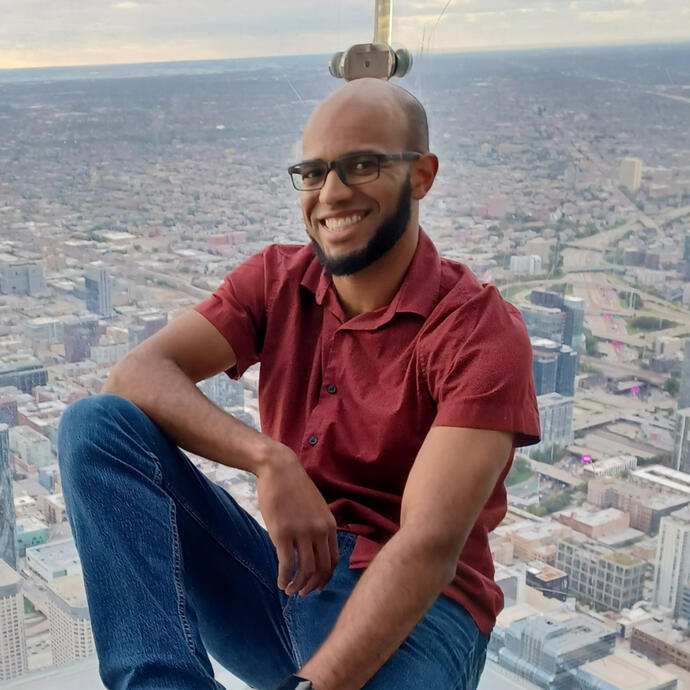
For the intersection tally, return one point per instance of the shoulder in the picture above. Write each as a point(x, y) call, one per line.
point(466, 306)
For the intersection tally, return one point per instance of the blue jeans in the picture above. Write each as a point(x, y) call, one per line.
point(175, 568)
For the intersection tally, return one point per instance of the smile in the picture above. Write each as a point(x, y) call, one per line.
point(343, 222)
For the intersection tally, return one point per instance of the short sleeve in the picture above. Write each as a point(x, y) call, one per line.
point(478, 363)
point(238, 311)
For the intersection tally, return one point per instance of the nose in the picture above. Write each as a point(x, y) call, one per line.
point(334, 189)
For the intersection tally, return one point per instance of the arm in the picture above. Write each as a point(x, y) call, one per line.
point(453, 476)
point(159, 377)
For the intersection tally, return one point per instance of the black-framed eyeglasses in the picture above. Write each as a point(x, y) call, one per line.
point(352, 169)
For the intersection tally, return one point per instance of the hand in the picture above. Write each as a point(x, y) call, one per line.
point(298, 520)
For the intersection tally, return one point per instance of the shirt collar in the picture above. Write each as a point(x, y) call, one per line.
point(418, 293)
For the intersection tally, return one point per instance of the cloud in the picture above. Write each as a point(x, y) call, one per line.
point(127, 5)
point(603, 17)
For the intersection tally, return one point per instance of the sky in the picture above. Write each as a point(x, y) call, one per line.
point(37, 33)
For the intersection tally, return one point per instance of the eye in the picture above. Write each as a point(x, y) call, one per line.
point(311, 173)
point(361, 165)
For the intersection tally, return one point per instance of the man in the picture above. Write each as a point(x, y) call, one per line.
point(393, 390)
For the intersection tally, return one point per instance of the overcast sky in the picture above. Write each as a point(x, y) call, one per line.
point(85, 32)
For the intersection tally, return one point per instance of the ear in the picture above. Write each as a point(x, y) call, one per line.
point(423, 175)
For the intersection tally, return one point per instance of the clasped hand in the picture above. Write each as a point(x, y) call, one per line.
point(299, 523)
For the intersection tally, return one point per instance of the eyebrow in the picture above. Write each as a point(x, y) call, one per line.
point(351, 153)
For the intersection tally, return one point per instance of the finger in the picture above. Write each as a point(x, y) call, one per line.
point(305, 565)
point(322, 564)
point(333, 546)
point(286, 562)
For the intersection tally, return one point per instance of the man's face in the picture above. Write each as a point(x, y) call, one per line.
point(351, 227)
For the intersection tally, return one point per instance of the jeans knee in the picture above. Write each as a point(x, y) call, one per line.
point(82, 423)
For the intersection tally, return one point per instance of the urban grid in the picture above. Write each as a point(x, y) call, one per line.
point(127, 193)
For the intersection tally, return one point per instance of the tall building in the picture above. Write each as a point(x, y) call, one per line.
point(544, 365)
point(672, 567)
point(681, 442)
point(97, 285)
point(145, 325)
point(544, 322)
point(80, 333)
point(13, 660)
point(630, 175)
point(684, 393)
point(544, 298)
point(223, 391)
point(567, 370)
point(8, 543)
point(556, 422)
point(573, 333)
point(71, 636)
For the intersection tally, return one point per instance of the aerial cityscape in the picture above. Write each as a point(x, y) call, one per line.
point(128, 192)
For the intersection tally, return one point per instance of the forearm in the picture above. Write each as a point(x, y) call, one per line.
point(391, 597)
point(173, 401)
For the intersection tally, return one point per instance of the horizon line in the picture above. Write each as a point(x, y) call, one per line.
point(455, 51)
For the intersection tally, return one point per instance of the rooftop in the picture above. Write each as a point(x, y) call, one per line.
point(70, 589)
point(625, 670)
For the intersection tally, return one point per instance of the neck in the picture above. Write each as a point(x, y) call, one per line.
point(375, 286)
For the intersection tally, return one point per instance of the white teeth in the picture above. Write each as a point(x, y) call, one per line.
point(337, 223)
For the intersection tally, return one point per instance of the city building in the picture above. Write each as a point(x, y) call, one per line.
point(21, 277)
point(8, 549)
point(663, 477)
point(594, 524)
point(544, 322)
point(31, 449)
point(54, 560)
point(646, 505)
point(22, 371)
point(681, 442)
point(544, 365)
point(13, 661)
point(630, 175)
point(567, 371)
point(544, 298)
point(223, 391)
point(97, 285)
point(30, 532)
point(573, 333)
point(145, 325)
point(600, 575)
point(550, 581)
point(624, 671)
point(672, 566)
point(80, 333)
point(659, 641)
point(556, 422)
point(547, 649)
point(538, 541)
point(610, 467)
point(71, 636)
point(525, 265)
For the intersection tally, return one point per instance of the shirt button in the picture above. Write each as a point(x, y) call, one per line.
point(312, 440)
point(332, 389)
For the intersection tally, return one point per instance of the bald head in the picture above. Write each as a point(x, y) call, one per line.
point(397, 106)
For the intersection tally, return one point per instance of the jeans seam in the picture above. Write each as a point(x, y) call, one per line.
point(211, 534)
point(179, 589)
point(289, 624)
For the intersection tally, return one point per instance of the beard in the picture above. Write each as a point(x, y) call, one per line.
point(384, 239)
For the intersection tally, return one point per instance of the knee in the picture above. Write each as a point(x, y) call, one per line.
point(85, 422)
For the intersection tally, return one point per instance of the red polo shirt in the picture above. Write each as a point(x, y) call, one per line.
point(354, 398)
